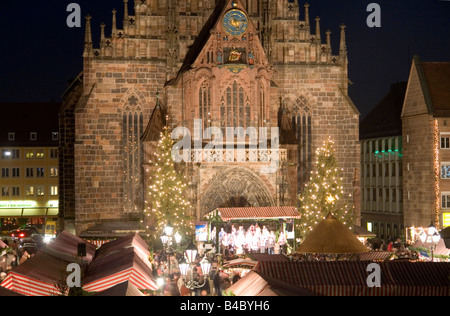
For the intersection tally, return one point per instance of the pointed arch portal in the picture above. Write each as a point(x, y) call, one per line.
point(237, 187)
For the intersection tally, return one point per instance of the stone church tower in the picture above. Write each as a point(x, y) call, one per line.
point(232, 63)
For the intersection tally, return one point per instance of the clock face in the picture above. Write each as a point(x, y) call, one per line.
point(235, 22)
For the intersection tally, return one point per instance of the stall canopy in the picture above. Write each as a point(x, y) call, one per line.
point(249, 213)
point(330, 236)
point(39, 275)
point(256, 284)
point(120, 290)
point(440, 249)
point(349, 278)
point(125, 259)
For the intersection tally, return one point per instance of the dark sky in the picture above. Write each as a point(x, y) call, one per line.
point(40, 53)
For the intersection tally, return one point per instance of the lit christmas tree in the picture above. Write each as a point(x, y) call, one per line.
point(166, 202)
point(324, 193)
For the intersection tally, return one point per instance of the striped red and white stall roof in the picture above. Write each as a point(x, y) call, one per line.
point(236, 213)
point(124, 259)
point(28, 286)
point(349, 278)
point(138, 278)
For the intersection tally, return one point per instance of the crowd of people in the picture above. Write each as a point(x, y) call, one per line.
point(12, 255)
point(253, 240)
point(214, 284)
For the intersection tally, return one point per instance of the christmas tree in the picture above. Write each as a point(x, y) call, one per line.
point(166, 201)
point(324, 193)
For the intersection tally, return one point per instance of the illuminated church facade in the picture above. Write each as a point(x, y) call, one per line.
point(231, 63)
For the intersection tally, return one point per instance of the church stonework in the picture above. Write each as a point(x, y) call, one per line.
point(230, 63)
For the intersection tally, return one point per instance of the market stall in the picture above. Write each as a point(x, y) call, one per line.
point(331, 237)
point(125, 259)
point(349, 278)
point(41, 274)
point(256, 284)
point(251, 229)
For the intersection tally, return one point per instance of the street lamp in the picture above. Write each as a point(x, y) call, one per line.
point(187, 266)
point(166, 239)
point(431, 237)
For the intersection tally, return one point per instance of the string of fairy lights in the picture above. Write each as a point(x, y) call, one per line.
point(324, 193)
point(437, 167)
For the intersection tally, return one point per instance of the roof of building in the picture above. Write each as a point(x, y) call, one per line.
point(25, 118)
point(435, 77)
point(385, 119)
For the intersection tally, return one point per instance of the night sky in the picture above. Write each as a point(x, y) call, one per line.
point(40, 53)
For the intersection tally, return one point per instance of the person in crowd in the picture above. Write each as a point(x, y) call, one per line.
point(218, 283)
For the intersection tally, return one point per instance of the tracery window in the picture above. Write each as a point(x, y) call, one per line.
point(302, 125)
point(235, 107)
point(133, 124)
point(204, 101)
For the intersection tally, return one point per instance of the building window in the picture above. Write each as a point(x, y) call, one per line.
point(5, 172)
point(132, 129)
point(6, 154)
point(445, 170)
point(16, 172)
point(40, 155)
point(204, 102)
point(40, 191)
point(40, 172)
point(53, 172)
point(235, 107)
point(29, 191)
point(53, 153)
point(445, 141)
point(29, 154)
point(302, 127)
point(30, 172)
point(11, 136)
point(5, 191)
point(54, 190)
point(33, 136)
point(55, 135)
point(445, 200)
point(16, 191)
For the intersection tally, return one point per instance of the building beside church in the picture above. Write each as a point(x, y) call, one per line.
point(226, 63)
point(426, 144)
point(382, 166)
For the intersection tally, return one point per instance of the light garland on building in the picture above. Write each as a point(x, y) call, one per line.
point(437, 168)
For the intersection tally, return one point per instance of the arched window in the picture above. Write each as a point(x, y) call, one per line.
point(235, 107)
point(204, 102)
point(302, 125)
point(133, 124)
point(262, 106)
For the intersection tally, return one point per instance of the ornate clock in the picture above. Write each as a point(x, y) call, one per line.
point(235, 22)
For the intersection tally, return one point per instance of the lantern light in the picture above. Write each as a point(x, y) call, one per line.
point(205, 265)
point(191, 252)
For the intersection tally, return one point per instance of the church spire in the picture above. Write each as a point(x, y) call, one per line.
point(88, 38)
point(343, 45)
point(318, 39)
point(114, 23)
point(307, 17)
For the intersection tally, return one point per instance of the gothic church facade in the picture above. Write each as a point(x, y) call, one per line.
point(228, 63)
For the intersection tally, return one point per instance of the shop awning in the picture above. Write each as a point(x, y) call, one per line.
point(248, 213)
point(349, 278)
